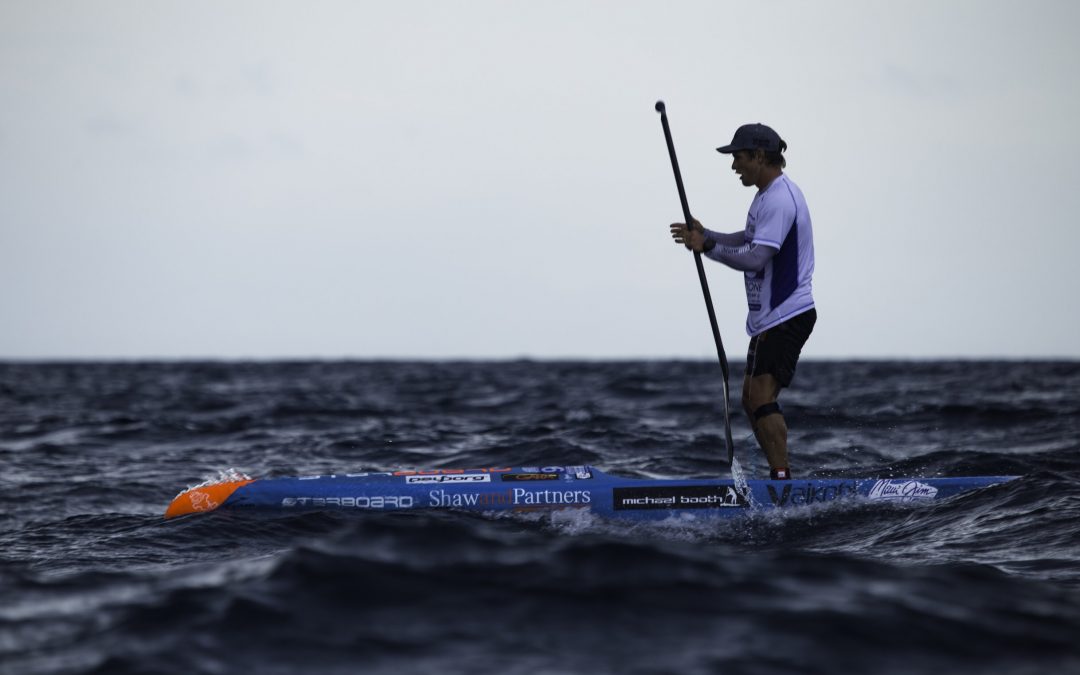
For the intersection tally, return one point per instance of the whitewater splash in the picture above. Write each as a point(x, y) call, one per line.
point(739, 476)
point(229, 475)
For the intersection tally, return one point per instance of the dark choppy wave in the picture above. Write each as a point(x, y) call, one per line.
point(93, 581)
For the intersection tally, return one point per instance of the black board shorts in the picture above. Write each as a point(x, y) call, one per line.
point(776, 351)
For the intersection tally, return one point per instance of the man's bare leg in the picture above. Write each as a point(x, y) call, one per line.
point(771, 429)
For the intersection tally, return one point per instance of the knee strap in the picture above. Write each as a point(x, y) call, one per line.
point(766, 410)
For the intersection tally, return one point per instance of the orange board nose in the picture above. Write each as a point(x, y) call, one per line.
point(203, 498)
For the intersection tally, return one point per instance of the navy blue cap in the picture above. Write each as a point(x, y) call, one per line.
point(752, 137)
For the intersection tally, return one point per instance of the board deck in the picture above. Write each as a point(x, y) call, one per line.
point(545, 488)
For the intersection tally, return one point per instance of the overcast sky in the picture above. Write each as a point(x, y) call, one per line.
point(489, 179)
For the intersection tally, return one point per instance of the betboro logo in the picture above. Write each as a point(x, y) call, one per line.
point(456, 478)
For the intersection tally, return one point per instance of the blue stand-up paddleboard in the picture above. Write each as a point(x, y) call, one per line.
point(547, 488)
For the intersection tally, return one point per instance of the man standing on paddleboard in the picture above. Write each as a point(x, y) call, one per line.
point(775, 252)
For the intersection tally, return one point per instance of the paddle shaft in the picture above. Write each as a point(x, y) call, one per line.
point(660, 108)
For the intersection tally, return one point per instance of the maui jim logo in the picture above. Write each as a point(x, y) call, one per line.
point(901, 491)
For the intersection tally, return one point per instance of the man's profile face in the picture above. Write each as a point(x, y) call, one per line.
point(748, 164)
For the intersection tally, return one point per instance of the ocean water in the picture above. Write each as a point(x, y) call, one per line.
point(93, 580)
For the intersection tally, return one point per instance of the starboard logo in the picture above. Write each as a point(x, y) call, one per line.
point(811, 494)
point(376, 502)
point(901, 491)
point(679, 497)
point(200, 501)
point(449, 478)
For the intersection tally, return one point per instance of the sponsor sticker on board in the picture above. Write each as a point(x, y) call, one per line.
point(800, 494)
point(524, 477)
point(449, 479)
point(679, 497)
point(351, 502)
point(578, 472)
point(901, 491)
